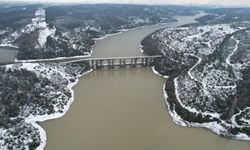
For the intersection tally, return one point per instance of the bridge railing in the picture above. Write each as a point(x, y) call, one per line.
point(112, 58)
point(121, 62)
point(96, 63)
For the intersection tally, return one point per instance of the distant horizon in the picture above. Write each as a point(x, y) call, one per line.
point(204, 3)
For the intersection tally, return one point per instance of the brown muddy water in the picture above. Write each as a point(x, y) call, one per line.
point(124, 109)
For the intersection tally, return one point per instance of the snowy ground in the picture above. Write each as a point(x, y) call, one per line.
point(38, 23)
point(58, 75)
point(209, 87)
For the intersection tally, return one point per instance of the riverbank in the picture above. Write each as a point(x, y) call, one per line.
point(139, 36)
point(35, 120)
point(132, 116)
point(132, 48)
point(60, 110)
point(50, 96)
point(203, 82)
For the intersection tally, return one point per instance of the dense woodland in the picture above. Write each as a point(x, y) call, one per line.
point(225, 15)
point(25, 92)
point(73, 27)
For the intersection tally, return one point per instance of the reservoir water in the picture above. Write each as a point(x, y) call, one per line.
point(7, 54)
point(124, 109)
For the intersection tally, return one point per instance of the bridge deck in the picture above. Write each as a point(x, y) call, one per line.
point(112, 58)
point(96, 63)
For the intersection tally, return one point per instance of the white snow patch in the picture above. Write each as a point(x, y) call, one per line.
point(34, 119)
point(44, 34)
point(156, 72)
point(8, 45)
point(190, 109)
point(176, 118)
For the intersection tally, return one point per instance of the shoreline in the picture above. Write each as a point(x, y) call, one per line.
point(56, 116)
point(220, 128)
point(89, 54)
point(34, 120)
point(9, 46)
point(212, 126)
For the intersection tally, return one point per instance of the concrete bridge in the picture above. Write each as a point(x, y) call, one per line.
point(121, 62)
point(98, 63)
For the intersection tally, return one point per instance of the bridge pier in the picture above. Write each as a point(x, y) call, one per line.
point(98, 63)
point(112, 63)
point(109, 65)
point(132, 62)
point(101, 66)
point(146, 62)
point(124, 64)
point(90, 64)
point(135, 59)
point(121, 62)
point(142, 62)
point(94, 65)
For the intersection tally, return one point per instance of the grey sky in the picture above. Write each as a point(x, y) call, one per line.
point(184, 2)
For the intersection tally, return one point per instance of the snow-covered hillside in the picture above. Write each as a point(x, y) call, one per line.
point(44, 92)
point(211, 66)
point(38, 24)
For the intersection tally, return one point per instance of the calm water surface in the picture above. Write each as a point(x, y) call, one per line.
point(7, 54)
point(124, 109)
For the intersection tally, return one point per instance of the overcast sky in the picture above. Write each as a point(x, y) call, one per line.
point(184, 2)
